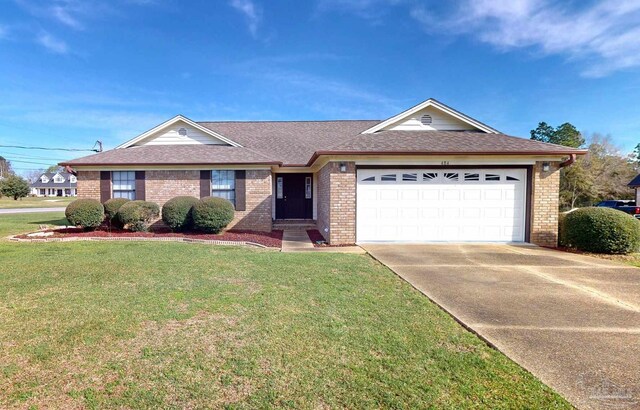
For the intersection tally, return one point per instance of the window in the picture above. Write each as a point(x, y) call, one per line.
point(307, 188)
point(223, 185)
point(451, 176)
point(369, 179)
point(42, 192)
point(492, 177)
point(279, 187)
point(429, 176)
point(73, 179)
point(44, 179)
point(410, 177)
point(58, 179)
point(471, 177)
point(123, 184)
point(388, 177)
point(512, 178)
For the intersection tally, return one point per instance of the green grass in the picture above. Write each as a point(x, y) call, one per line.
point(169, 325)
point(35, 202)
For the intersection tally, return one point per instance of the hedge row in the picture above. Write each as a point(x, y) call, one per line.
point(181, 213)
point(209, 214)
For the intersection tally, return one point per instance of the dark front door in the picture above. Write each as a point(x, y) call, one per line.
point(294, 196)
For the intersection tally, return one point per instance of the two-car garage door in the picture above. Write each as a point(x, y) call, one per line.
point(458, 205)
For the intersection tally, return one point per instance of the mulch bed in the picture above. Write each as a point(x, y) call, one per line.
point(271, 239)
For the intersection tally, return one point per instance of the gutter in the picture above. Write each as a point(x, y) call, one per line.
point(571, 160)
point(571, 153)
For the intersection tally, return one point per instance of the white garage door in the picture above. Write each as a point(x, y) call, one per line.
point(458, 205)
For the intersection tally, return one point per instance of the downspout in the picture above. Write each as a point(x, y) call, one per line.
point(571, 160)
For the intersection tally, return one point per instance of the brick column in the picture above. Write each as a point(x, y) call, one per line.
point(88, 185)
point(337, 203)
point(544, 204)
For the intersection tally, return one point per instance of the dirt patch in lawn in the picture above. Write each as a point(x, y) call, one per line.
point(319, 242)
point(271, 239)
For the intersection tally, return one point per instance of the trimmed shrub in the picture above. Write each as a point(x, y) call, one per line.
point(111, 207)
point(87, 213)
point(176, 212)
point(211, 214)
point(562, 230)
point(138, 215)
point(601, 230)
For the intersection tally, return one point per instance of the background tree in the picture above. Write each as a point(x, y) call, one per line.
point(5, 168)
point(33, 175)
point(54, 168)
point(566, 134)
point(14, 186)
point(601, 174)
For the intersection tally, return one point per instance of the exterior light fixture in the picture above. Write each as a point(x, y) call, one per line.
point(343, 167)
point(546, 166)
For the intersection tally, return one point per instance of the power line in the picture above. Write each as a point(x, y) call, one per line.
point(9, 155)
point(48, 148)
point(30, 162)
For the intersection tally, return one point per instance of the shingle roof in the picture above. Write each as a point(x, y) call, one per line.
point(175, 154)
point(635, 182)
point(300, 142)
point(66, 184)
point(290, 142)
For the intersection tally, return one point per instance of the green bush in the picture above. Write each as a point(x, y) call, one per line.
point(138, 215)
point(111, 207)
point(211, 214)
point(176, 212)
point(87, 213)
point(601, 230)
point(562, 230)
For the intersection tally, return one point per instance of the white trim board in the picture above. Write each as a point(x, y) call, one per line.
point(173, 121)
point(435, 104)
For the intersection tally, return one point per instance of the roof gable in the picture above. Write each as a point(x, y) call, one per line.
point(431, 115)
point(179, 131)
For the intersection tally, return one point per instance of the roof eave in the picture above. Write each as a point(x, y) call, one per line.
point(318, 154)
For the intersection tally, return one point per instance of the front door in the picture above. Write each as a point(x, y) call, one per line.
point(294, 194)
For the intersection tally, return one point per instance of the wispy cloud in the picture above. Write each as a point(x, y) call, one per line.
point(368, 9)
point(252, 14)
point(603, 35)
point(52, 44)
point(63, 14)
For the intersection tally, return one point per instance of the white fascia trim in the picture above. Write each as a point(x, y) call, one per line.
point(431, 103)
point(173, 121)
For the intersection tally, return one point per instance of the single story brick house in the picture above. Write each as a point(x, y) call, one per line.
point(430, 173)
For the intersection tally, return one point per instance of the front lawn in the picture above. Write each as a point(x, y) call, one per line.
point(36, 202)
point(169, 325)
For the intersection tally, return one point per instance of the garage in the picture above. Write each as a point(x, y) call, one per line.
point(441, 205)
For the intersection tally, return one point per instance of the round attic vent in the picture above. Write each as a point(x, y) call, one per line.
point(182, 131)
point(426, 119)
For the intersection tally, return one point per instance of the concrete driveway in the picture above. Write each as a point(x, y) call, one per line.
point(571, 320)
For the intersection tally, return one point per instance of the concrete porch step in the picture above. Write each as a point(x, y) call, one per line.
point(293, 224)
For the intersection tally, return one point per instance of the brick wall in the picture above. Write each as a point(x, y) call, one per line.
point(544, 205)
point(258, 213)
point(89, 184)
point(161, 186)
point(337, 203)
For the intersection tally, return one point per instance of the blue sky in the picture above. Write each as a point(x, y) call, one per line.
point(74, 71)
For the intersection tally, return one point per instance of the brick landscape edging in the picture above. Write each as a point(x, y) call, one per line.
point(168, 239)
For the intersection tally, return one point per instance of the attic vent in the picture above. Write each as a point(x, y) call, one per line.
point(426, 119)
point(183, 132)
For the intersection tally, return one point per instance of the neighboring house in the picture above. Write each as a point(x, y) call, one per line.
point(429, 173)
point(635, 184)
point(55, 184)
